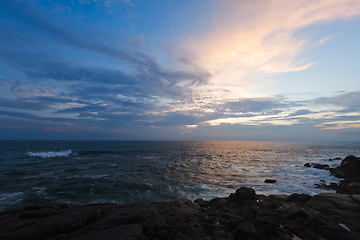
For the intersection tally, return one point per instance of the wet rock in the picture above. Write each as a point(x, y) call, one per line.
point(307, 165)
point(270, 181)
point(320, 166)
point(349, 171)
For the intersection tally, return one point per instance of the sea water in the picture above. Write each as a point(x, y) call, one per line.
point(81, 172)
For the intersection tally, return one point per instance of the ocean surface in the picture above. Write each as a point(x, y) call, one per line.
point(81, 172)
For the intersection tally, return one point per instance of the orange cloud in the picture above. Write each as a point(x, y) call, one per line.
point(339, 125)
point(258, 36)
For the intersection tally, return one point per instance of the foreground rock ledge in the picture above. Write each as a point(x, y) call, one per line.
point(243, 215)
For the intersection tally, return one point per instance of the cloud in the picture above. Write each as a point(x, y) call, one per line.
point(139, 85)
point(251, 37)
point(64, 75)
point(346, 114)
point(138, 61)
point(29, 104)
point(324, 40)
point(337, 125)
point(347, 100)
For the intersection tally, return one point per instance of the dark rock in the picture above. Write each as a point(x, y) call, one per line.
point(243, 215)
point(349, 170)
point(320, 166)
point(350, 161)
point(243, 193)
point(307, 165)
point(125, 232)
point(297, 213)
point(176, 235)
point(8, 236)
point(150, 232)
point(270, 181)
point(201, 202)
point(162, 235)
point(42, 212)
point(299, 198)
point(246, 230)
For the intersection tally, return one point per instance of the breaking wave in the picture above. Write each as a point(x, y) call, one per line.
point(50, 154)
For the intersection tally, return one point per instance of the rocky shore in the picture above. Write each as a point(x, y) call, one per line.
point(348, 171)
point(242, 215)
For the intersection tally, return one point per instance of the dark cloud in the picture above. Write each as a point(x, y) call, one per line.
point(148, 68)
point(29, 104)
point(254, 105)
point(349, 100)
point(64, 72)
point(300, 112)
point(89, 96)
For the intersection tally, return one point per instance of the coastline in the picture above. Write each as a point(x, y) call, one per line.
point(242, 215)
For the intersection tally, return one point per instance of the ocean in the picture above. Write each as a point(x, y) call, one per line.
point(82, 172)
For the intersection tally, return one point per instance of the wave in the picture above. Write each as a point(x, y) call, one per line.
point(50, 154)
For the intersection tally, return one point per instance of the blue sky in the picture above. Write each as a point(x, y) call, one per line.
point(180, 70)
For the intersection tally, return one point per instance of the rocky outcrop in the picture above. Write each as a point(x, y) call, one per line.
point(317, 165)
point(243, 215)
point(348, 171)
point(270, 181)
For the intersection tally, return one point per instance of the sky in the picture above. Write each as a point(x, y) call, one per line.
point(262, 70)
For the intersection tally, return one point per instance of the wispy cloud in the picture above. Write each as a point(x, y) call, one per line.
point(259, 36)
point(324, 40)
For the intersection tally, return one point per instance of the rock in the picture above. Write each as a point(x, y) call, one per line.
point(356, 198)
point(43, 212)
point(320, 166)
point(307, 165)
point(243, 215)
point(299, 198)
point(246, 230)
point(8, 236)
point(278, 197)
point(350, 161)
point(319, 202)
point(243, 193)
point(270, 181)
point(125, 232)
point(349, 170)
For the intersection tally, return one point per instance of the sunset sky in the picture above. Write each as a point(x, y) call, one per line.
point(180, 70)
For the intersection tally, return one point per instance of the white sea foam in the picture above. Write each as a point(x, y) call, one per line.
point(50, 154)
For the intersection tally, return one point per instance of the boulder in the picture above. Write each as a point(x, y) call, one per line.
point(320, 166)
point(270, 181)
